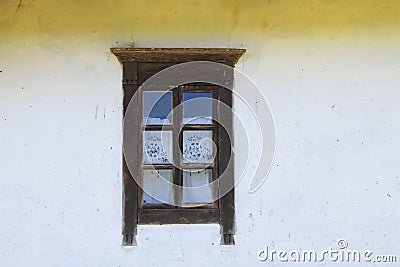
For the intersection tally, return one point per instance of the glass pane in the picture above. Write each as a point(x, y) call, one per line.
point(197, 187)
point(197, 108)
point(157, 147)
point(157, 187)
point(197, 147)
point(157, 107)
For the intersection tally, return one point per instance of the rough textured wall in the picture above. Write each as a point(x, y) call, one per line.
point(328, 68)
point(85, 20)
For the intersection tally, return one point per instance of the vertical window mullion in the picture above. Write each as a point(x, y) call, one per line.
point(177, 139)
point(140, 146)
point(215, 120)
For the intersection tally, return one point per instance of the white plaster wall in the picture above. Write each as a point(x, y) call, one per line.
point(335, 103)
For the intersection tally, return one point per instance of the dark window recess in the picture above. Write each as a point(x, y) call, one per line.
point(184, 130)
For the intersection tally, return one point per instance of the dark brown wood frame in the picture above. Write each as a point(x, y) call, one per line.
point(138, 65)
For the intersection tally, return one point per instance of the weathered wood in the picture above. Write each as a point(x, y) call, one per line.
point(129, 72)
point(176, 144)
point(139, 64)
point(157, 166)
point(168, 206)
point(198, 87)
point(158, 127)
point(181, 75)
point(178, 216)
point(200, 166)
point(215, 138)
point(226, 168)
point(130, 187)
point(198, 127)
point(138, 135)
point(129, 202)
point(129, 240)
point(227, 239)
point(146, 70)
point(175, 55)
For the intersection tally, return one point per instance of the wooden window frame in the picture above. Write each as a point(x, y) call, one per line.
point(138, 65)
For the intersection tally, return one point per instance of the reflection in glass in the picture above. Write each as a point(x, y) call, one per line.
point(197, 187)
point(157, 107)
point(197, 108)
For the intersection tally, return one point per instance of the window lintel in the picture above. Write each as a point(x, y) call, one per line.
point(228, 56)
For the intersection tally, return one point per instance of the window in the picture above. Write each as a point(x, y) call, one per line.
point(181, 142)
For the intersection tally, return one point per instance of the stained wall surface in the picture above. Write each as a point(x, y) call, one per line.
point(329, 70)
